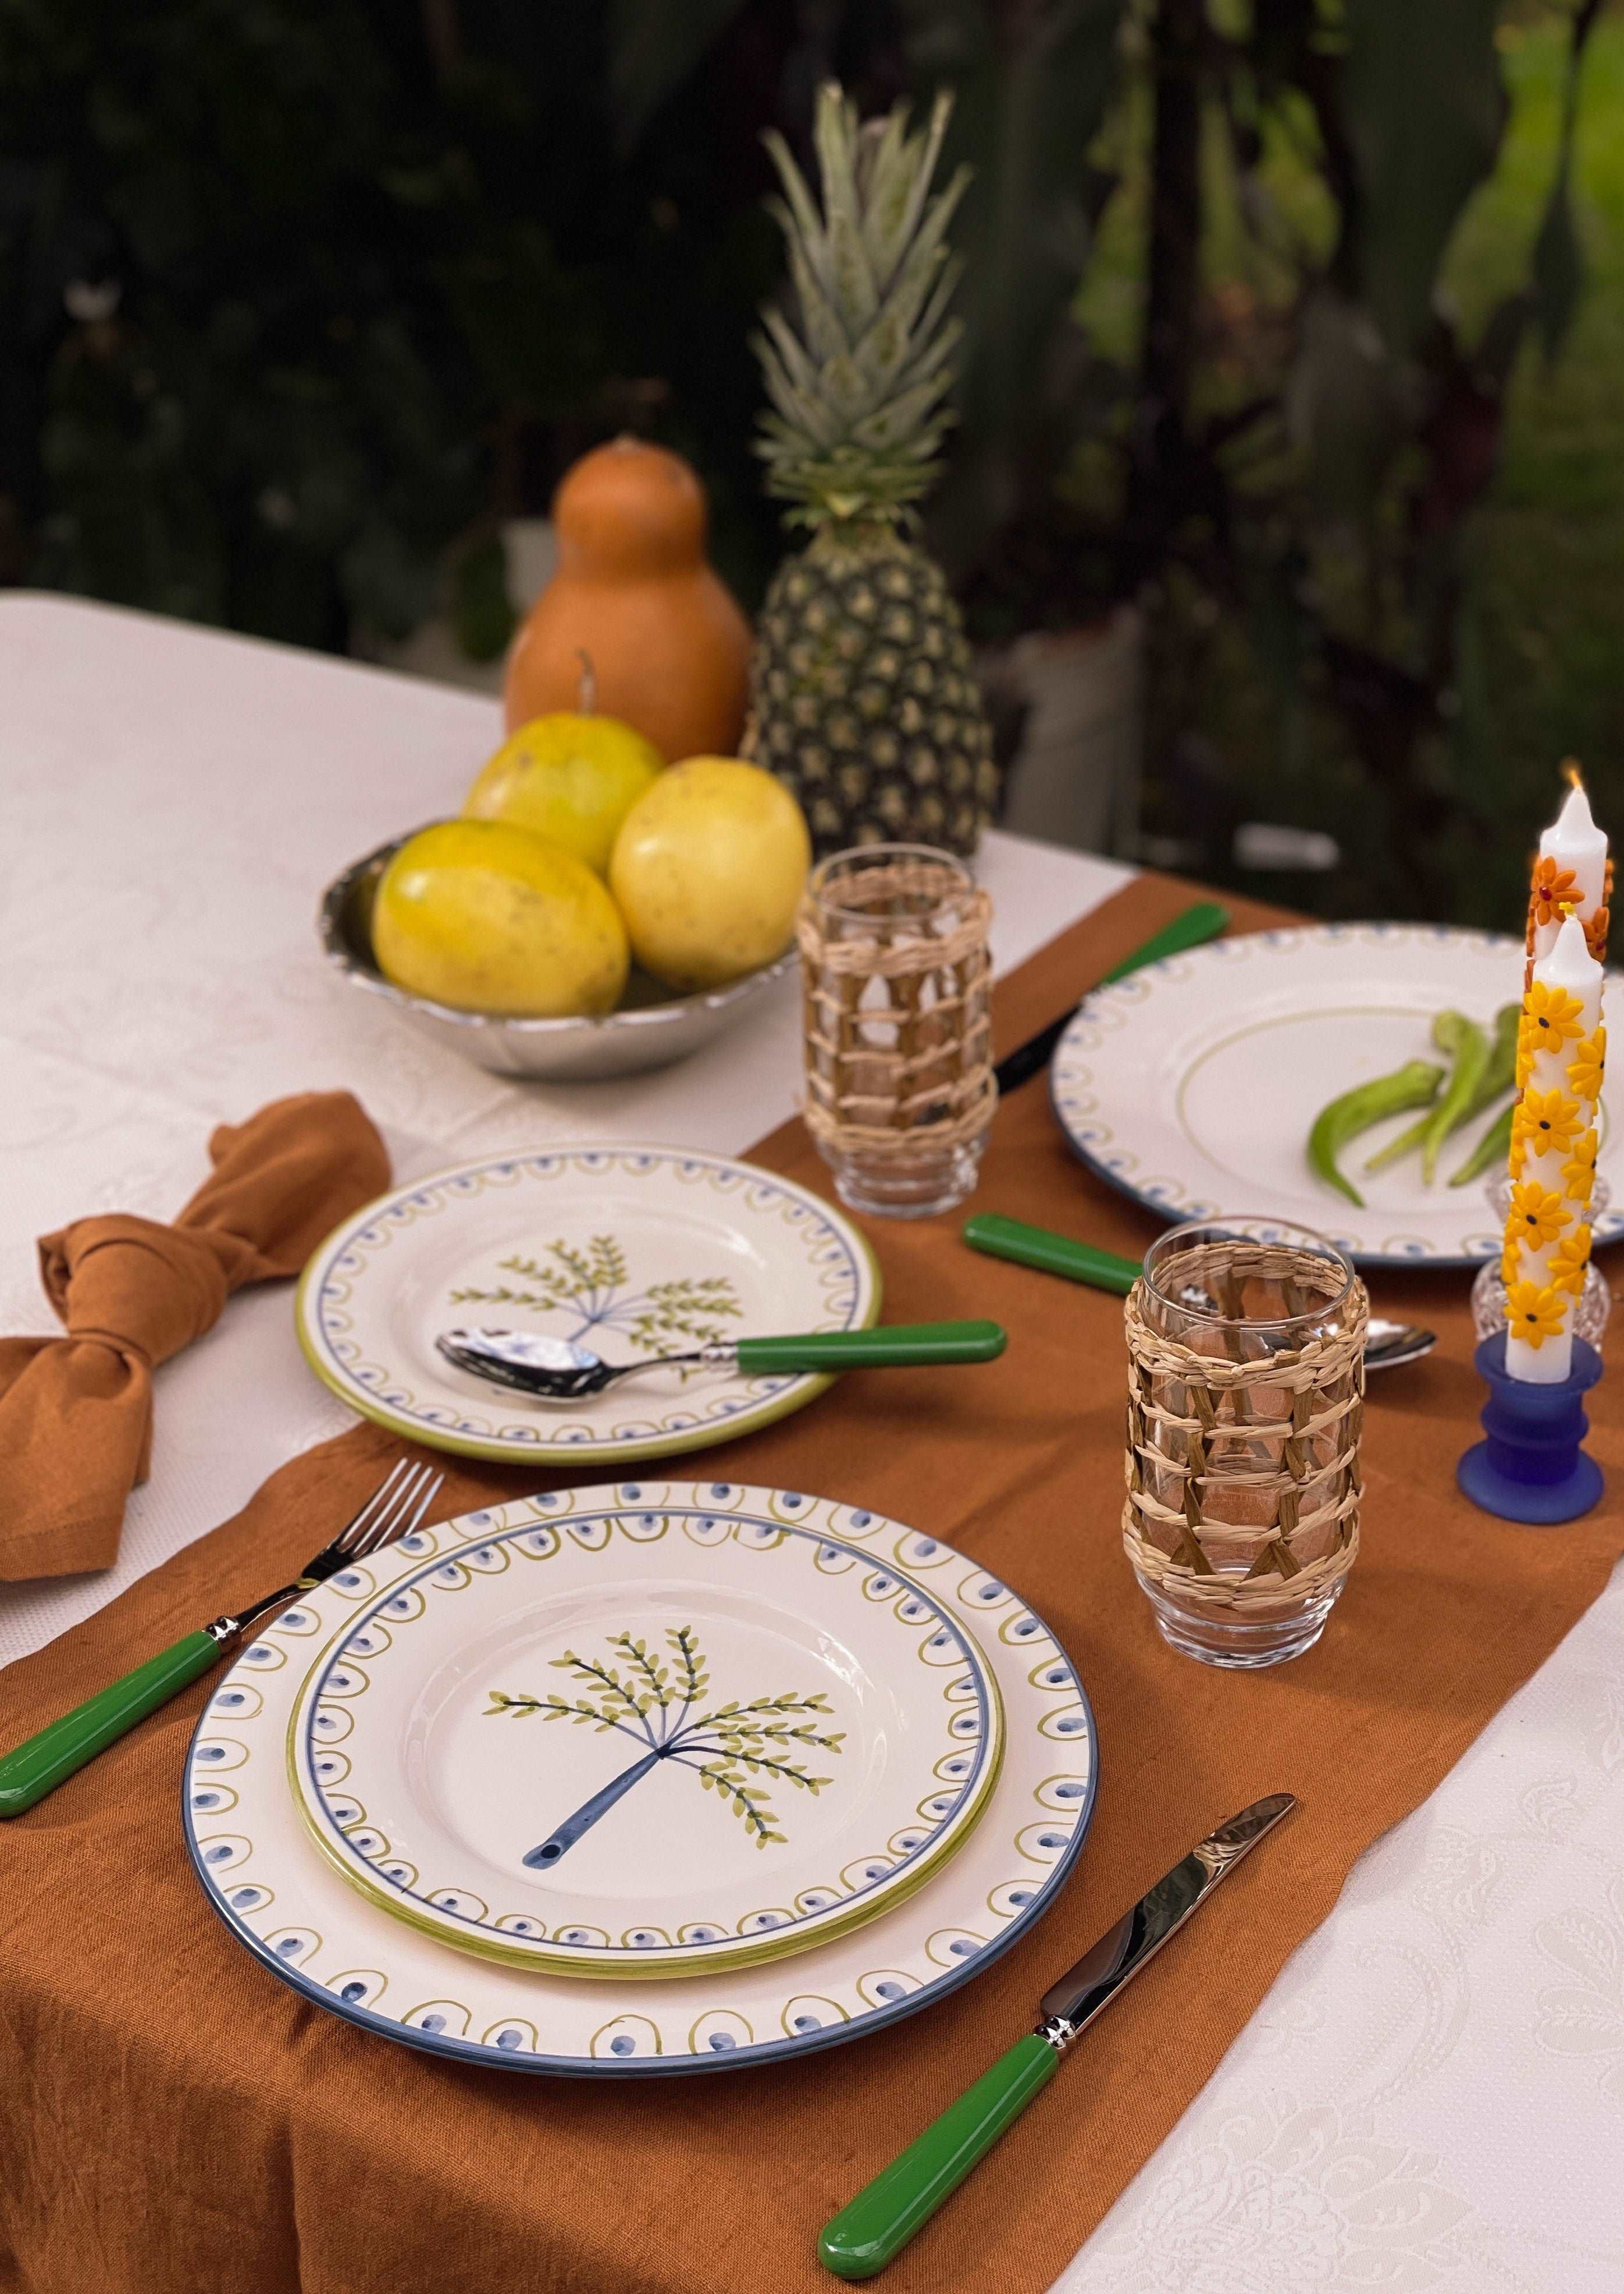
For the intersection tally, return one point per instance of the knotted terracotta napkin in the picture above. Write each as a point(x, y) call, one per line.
point(76, 1412)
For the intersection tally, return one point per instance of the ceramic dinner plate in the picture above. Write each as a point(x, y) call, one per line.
point(288, 1904)
point(650, 1740)
point(635, 1251)
point(1192, 1085)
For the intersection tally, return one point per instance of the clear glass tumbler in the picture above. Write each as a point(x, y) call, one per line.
point(1245, 1385)
point(895, 974)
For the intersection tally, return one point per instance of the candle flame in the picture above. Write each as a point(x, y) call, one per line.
point(1571, 774)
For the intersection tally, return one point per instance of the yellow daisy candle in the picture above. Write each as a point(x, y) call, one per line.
point(1561, 1047)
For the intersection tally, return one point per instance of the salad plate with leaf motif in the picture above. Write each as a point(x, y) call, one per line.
point(287, 1902)
point(635, 1251)
point(654, 1739)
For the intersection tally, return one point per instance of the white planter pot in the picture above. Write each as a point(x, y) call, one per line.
point(1074, 779)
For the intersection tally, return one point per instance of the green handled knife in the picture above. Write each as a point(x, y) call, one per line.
point(1190, 928)
point(880, 2221)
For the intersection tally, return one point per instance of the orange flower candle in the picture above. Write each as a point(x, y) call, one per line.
point(1572, 873)
point(1561, 1049)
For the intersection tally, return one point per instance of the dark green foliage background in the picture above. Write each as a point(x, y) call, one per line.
point(364, 299)
point(301, 299)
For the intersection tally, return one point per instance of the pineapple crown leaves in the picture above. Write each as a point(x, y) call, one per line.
point(858, 393)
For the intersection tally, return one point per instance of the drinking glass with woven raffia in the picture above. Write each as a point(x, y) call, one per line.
point(1245, 1394)
point(896, 971)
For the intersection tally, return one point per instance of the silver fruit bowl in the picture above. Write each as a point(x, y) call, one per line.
point(651, 1028)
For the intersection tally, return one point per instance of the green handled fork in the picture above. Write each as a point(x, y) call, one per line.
point(64, 1746)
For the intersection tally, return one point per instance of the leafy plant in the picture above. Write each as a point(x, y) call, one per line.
point(738, 1749)
point(589, 1282)
point(1317, 498)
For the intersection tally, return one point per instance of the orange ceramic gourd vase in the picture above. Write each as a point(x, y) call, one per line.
point(668, 646)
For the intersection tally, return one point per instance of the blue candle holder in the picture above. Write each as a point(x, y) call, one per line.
point(1530, 1467)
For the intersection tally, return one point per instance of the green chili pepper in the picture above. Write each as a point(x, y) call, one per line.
point(1497, 1076)
point(1493, 1147)
point(1414, 1084)
point(1468, 1047)
point(1501, 1072)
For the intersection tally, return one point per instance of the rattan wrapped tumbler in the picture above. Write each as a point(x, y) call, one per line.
point(895, 975)
point(1246, 1400)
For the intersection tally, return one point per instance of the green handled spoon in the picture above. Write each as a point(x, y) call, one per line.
point(1387, 1344)
point(880, 2221)
point(562, 1369)
point(1050, 1253)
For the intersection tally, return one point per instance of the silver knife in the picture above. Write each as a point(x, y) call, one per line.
point(875, 2226)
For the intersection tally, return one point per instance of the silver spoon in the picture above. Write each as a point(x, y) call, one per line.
point(562, 1370)
point(1386, 1344)
point(1389, 1344)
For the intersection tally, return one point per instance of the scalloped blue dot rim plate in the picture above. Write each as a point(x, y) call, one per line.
point(274, 1892)
point(1190, 1087)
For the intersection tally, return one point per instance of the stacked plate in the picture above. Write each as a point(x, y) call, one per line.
point(646, 1777)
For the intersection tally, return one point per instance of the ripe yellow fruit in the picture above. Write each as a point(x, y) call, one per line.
point(571, 779)
point(488, 917)
point(708, 870)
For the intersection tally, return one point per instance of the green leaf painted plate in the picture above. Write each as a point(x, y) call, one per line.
point(638, 1250)
point(650, 1739)
point(339, 1949)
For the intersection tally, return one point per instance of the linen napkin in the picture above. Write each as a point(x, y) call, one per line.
point(76, 1412)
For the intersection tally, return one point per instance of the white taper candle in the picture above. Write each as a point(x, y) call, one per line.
point(1576, 853)
point(1553, 1146)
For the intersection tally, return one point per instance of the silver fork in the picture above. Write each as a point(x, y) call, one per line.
point(395, 1508)
point(60, 1749)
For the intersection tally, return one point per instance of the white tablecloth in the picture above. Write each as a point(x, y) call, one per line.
point(1433, 2094)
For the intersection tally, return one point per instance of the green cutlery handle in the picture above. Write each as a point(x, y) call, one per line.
point(1053, 1254)
point(880, 2220)
point(896, 1344)
point(66, 1746)
point(1197, 924)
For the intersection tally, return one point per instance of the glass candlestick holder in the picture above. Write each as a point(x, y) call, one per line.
point(1594, 1303)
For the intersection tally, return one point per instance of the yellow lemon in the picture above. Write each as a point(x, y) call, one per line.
point(489, 918)
point(572, 779)
point(708, 870)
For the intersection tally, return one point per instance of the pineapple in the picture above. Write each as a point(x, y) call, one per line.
point(863, 700)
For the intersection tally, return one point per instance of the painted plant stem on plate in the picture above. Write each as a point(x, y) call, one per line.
point(590, 1283)
point(738, 1751)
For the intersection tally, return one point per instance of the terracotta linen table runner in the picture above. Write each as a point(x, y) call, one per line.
point(175, 2121)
